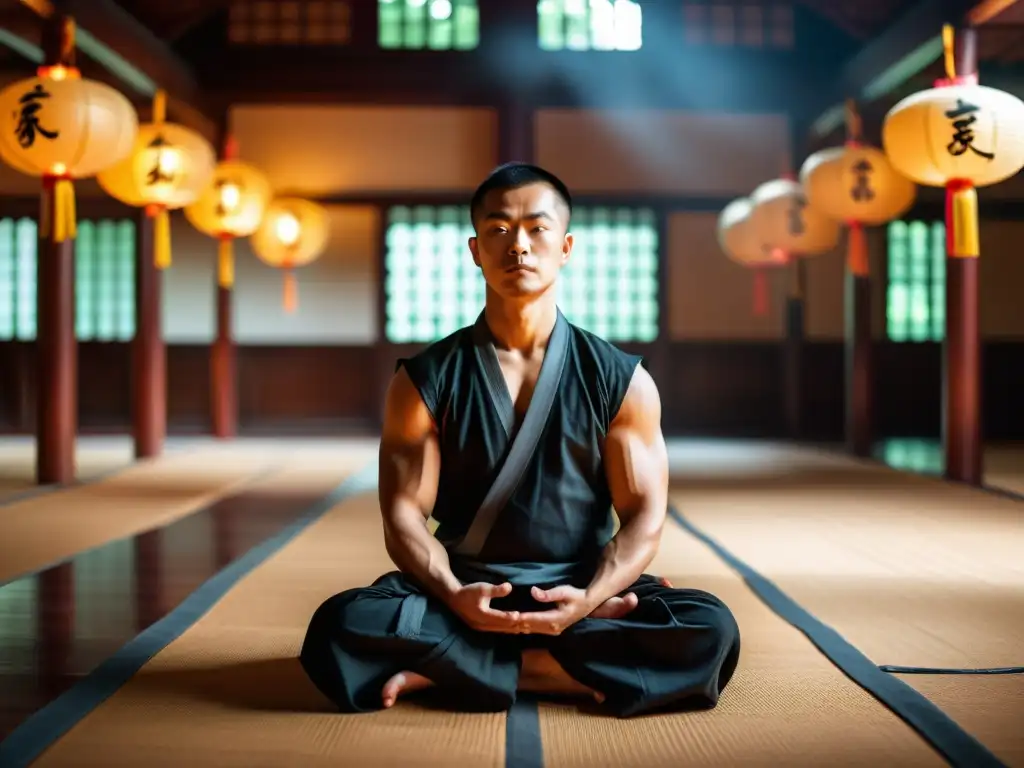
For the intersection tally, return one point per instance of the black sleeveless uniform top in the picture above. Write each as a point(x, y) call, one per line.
point(560, 516)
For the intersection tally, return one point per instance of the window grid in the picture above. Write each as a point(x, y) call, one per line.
point(748, 24)
point(916, 293)
point(438, 25)
point(433, 288)
point(589, 25)
point(289, 22)
point(104, 280)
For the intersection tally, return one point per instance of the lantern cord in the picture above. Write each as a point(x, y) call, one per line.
point(948, 52)
point(226, 262)
point(854, 126)
point(159, 107)
point(760, 293)
point(67, 42)
point(291, 292)
point(161, 238)
point(961, 219)
point(857, 249)
point(58, 214)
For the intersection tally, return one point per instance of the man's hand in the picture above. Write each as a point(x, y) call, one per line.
point(570, 605)
point(472, 604)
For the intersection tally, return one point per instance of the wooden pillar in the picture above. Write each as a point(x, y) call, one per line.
point(962, 349)
point(149, 354)
point(56, 346)
point(515, 129)
point(224, 395)
point(223, 382)
point(794, 348)
point(859, 358)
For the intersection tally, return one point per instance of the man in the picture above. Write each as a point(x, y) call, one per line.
point(519, 434)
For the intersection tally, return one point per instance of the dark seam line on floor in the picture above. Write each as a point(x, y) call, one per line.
point(242, 487)
point(523, 745)
point(935, 726)
point(35, 735)
point(898, 670)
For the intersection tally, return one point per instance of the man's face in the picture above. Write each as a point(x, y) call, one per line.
point(521, 243)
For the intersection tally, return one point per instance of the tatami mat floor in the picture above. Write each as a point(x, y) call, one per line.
point(836, 535)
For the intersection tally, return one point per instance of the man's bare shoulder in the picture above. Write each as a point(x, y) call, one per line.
point(641, 407)
point(406, 416)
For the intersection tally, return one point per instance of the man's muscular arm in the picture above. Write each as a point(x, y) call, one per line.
point(409, 470)
point(636, 465)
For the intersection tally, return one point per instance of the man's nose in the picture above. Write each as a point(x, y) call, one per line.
point(521, 242)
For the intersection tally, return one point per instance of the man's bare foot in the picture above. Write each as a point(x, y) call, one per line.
point(541, 673)
point(403, 682)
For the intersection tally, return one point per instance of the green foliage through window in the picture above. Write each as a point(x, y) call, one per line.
point(104, 280)
point(428, 24)
point(916, 301)
point(609, 286)
point(589, 25)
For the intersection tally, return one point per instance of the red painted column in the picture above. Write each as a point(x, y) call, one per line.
point(859, 345)
point(224, 394)
point(793, 350)
point(223, 365)
point(149, 354)
point(962, 435)
point(56, 346)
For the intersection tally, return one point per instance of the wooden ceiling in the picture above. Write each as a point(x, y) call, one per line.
point(170, 20)
point(861, 19)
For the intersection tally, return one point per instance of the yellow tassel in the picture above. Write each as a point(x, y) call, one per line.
point(291, 292)
point(963, 223)
point(857, 250)
point(225, 263)
point(64, 227)
point(162, 239)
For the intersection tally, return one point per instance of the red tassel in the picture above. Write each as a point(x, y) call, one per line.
point(760, 293)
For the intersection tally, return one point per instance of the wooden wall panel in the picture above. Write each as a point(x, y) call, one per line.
point(325, 150)
point(662, 152)
point(708, 388)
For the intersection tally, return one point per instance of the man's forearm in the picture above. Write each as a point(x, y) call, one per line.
point(417, 553)
point(626, 556)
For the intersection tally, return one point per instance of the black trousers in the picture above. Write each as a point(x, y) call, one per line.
point(677, 649)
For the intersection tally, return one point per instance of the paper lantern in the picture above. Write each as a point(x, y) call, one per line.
point(783, 218)
point(293, 233)
point(856, 183)
point(958, 135)
point(167, 169)
point(741, 241)
point(60, 127)
point(231, 205)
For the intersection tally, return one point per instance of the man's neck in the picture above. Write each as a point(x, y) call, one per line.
point(524, 325)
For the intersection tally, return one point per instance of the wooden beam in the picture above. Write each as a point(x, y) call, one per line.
point(109, 35)
point(905, 48)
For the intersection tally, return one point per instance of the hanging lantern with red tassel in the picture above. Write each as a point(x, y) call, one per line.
point(742, 243)
point(231, 205)
point(857, 185)
point(293, 234)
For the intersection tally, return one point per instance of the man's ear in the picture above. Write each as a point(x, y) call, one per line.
point(567, 244)
point(474, 248)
